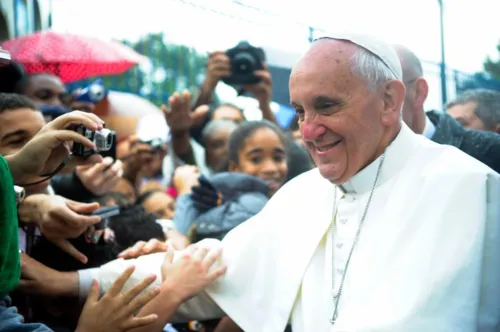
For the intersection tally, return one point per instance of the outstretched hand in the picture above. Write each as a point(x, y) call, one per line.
point(116, 312)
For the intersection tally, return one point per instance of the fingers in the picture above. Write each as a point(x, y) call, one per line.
point(88, 120)
point(217, 272)
point(169, 256)
point(118, 285)
point(154, 245)
point(200, 254)
point(132, 293)
point(93, 295)
point(72, 136)
point(141, 321)
point(132, 251)
point(68, 248)
point(211, 258)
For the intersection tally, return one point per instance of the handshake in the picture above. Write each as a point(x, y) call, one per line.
point(50, 150)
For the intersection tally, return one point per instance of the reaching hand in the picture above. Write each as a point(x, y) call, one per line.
point(178, 114)
point(192, 272)
point(101, 177)
point(39, 279)
point(115, 312)
point(51, 146)
point(143, 248)
point(59, 219)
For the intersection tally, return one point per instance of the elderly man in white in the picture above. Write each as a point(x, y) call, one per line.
point(391, 232)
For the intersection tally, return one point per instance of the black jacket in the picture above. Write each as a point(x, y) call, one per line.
point(482, 145)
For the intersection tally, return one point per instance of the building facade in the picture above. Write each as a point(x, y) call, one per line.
point(22, 17)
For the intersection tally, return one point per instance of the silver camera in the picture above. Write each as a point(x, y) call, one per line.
point(103, 139)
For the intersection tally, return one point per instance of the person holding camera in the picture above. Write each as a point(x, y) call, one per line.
point(221, 66)
point(45, 153)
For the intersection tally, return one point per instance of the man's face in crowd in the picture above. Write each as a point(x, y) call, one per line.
point(17, 127)
point(47, 90)
point(342, 122)
point(216, 147)
point(465, 114)
point(226, 112)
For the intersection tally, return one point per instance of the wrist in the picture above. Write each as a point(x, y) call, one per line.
point(15, 166)
point(173, 293)
point(180, 134)
point(66, 284)
point(30, 210)
point(209, 85)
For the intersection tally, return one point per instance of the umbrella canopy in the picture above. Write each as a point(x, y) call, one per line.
point(71, 57)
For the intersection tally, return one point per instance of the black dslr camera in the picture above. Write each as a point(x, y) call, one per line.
point(104, 140)
point(245, 59)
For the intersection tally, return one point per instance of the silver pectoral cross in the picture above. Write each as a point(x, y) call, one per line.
point(334, 317)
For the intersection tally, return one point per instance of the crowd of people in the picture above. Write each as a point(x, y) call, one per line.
point(369, 213)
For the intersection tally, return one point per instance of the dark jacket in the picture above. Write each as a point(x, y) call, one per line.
point(481, 145)
point(244, 196)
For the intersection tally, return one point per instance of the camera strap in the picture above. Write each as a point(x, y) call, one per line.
point(49, 176)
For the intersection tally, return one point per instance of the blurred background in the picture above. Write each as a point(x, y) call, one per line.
point(455, 38)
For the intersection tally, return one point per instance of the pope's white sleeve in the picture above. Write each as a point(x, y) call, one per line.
point(200, 307)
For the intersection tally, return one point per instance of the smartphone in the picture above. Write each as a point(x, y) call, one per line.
point(105, 213)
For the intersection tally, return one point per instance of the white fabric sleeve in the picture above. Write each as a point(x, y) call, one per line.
point(200, 307)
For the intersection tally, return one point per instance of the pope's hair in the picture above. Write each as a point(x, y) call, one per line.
point(372, 70)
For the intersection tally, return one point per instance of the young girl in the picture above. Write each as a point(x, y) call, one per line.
point(256, 169)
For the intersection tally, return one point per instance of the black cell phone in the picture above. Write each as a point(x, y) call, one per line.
point(105, 213)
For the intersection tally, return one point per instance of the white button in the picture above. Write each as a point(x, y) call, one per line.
point(349, 198)
point(339, 245)
point(340, 271)
point(343, 221)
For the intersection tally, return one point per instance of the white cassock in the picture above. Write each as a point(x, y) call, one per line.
point(428, 256)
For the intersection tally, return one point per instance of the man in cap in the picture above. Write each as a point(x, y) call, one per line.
point(387, 234)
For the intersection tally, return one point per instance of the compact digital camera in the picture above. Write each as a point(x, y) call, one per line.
point(104, 140)
point(94, 93)
point(245, 60)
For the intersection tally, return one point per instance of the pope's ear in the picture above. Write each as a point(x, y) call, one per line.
point(393, 95)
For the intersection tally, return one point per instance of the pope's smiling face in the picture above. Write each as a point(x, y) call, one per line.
point(343, 121)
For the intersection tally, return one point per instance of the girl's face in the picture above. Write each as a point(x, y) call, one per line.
point(263, 155)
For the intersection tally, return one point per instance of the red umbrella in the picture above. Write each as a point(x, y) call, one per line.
point(71, 57)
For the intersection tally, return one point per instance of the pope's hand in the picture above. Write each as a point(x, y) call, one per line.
point(51, 146)
point(196, 269)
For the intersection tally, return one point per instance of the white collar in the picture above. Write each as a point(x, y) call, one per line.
point(397, 154)
point(429, 128)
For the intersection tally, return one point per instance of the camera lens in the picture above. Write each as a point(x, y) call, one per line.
point(244, 63)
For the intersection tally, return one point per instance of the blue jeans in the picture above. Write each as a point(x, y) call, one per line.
point(12, 321)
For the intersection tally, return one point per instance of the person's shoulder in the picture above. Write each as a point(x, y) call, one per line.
point(447, 160)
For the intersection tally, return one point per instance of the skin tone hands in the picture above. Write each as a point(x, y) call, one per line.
point(51, 146)
point(115, 311)
point(196, 269)
point(102, 177)
point(59, 219)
